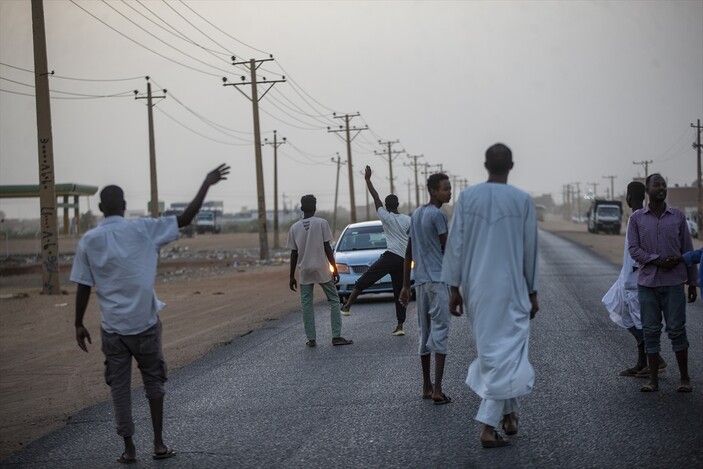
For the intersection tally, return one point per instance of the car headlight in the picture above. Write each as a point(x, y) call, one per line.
point(342, 268)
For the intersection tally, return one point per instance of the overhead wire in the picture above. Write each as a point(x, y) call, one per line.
point(198, 133)
point(299, 110)
point(219, 127)
point(162, 41)
point(145, 47)
point(175, 31)
point(80, 95)
point(74, 78)
point(223, 32)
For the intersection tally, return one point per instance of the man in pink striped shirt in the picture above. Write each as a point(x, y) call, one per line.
point(657, 236)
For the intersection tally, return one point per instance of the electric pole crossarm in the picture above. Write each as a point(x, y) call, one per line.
point(247, 62)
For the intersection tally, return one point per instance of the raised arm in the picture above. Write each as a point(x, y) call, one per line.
point(213, 177)
point(372, 190)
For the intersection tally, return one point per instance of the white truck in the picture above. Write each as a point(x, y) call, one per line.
point(206, 221)
point(606, 216)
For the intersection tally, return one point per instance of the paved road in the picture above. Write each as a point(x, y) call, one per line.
point(266, 400)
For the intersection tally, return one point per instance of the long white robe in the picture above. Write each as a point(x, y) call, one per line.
point(491, 254)
point(621, 300)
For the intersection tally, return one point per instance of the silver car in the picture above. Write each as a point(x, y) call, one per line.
point(359, 246)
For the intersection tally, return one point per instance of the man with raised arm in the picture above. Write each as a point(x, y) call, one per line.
point(119, 258)
point(395, 226)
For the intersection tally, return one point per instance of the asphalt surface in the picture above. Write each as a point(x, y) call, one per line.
point(265, 400)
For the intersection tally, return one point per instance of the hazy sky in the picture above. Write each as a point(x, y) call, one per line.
point(578, 90)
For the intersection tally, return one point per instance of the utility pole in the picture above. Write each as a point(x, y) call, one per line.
point(275, 144)
point(350, 166)
point(612, 186)
point(455, 188)
point(152, 147)
point(339, 163)
point(595, 188)
point(697, 147)
point(409, 183)
point(253, 65)
point(645, 164)
point(45, 141)
point(390, 154)
point(578, 200)
point(414, 159)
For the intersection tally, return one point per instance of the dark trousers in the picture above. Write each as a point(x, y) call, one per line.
point(388, 263)
point(119, 350)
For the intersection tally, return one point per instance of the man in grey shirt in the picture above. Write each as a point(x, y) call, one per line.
point(427, 237)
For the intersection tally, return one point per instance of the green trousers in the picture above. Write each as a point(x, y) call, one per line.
point(306, 299)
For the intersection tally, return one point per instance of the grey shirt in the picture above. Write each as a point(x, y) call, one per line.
point(427, 224)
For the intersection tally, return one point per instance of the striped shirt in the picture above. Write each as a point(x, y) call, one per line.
point(650, 238)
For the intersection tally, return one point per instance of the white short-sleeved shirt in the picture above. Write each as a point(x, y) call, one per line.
point(308, 236)
point(119, 259)
point(396, 226)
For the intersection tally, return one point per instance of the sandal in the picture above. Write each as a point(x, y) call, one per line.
point(499, 442)
point(684, 387)
point(650, 387)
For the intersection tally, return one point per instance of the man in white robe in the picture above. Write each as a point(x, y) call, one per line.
point(491, 254)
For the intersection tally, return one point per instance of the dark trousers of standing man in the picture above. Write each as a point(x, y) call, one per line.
point(145, 347)
point(388, 263)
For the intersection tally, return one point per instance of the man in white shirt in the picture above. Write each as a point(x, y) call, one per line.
point(309, 241)
point(119, 258)
point(395, 226)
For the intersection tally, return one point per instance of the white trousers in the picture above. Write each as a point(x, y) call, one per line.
point(491, 411)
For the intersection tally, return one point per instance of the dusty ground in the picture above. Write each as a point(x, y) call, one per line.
point(215, 291)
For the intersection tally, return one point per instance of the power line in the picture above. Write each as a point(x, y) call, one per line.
point(198, 133)
point(143, 46)
point(74, 78)
point(223, 32)
point(175, 31)
point(161, 40)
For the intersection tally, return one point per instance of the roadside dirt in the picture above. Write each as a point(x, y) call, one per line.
point(215, 290)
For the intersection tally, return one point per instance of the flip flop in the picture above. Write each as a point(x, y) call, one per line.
point(649, 387)
point(686, 387)
point(445, 400)
point(632, 372)
point(341, 341)
point(125, 460)
point(169, 453)
point(499, 442)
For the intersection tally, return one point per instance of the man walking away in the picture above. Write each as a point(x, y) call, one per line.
point(309, 241)
point(395, 226)
point(119, 259)
point(492, 256)
point(426, 240)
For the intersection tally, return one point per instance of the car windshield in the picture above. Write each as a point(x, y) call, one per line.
point(362, 238)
